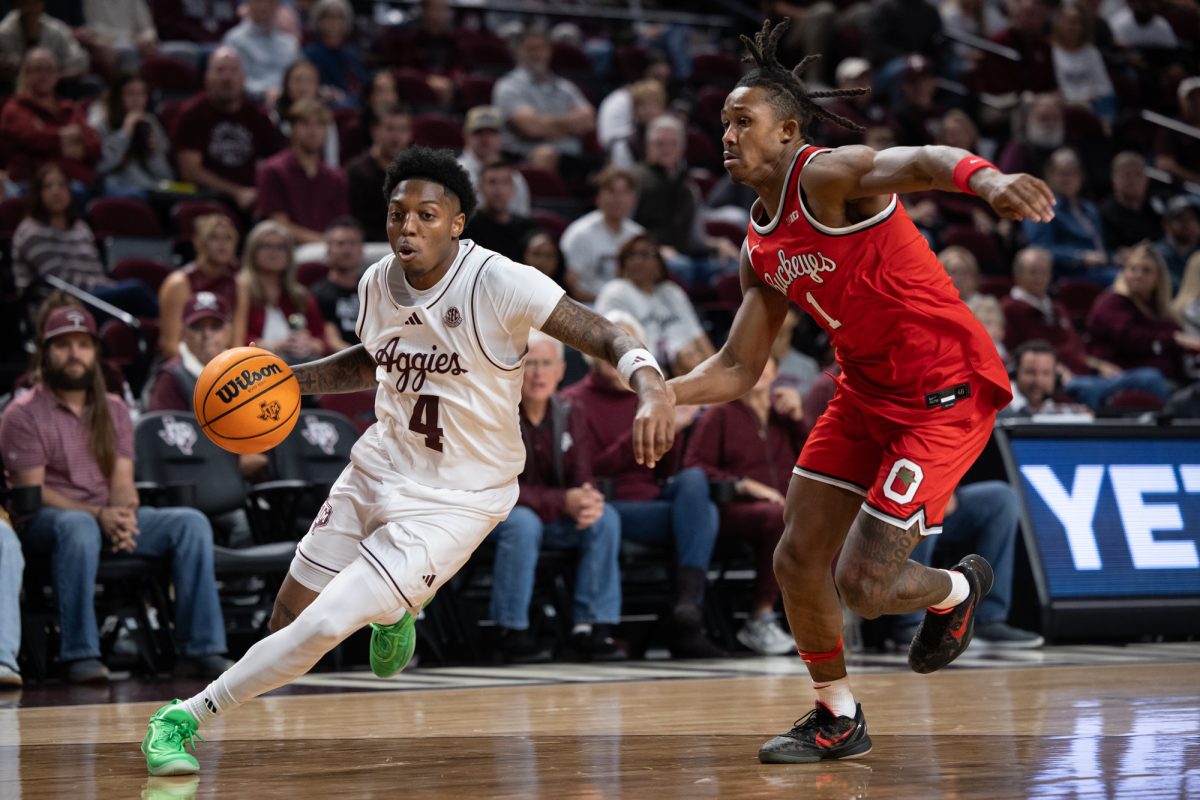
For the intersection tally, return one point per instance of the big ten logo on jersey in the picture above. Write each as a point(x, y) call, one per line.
point(790, 268)
point(320, 434)
point(179, 435)
point(412, 368)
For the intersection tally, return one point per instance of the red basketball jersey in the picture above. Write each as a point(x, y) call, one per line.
point(894, 318)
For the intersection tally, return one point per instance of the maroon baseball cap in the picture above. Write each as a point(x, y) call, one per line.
point(202, 305)
point(68, 319)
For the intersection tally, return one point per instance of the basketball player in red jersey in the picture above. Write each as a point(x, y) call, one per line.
point(921, 380)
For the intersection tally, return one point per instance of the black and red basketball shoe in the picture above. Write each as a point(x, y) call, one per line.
point(943, 637)
point(819, 735)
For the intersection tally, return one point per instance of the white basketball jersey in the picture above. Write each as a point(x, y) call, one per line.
point(447, 402)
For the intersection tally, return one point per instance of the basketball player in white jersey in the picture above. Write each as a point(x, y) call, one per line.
point(443, 325)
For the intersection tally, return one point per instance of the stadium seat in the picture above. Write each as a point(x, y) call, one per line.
point(1077, 295)
point(981, 245)
point(996, 285)
point(310, 272)
point(358, 407)
point(709, 102)
point(720, 69)
point(168, 115)
point(185, 213)
point(489, 53)
point(151, 273)
point(736, 234)
point(315, 454)
point(123, 216)
point(548, 221)
point(475, 90)
point(437, 130)
point(169, 77)
point(125, 348)
point(544, 184)
point(570, 62)
point(631, 61)
point(12, 211)
point(413, 89)
point(1133, 401)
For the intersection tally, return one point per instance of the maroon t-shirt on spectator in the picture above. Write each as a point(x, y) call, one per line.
point(540, 487)
point(310, 202)
point(607, 433)
point(30, 135)
point(728, 444)
point(230, 143)
point(39, 430)
point(1123, 333)
point(1024, 322)
point(257, 317)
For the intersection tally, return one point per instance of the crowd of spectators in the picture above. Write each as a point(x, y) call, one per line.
point(254, 139)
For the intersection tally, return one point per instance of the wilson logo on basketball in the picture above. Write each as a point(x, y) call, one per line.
point(269, 411)
point(243, 382)
point(801, 264)
point(414, 368)
point(452, 318)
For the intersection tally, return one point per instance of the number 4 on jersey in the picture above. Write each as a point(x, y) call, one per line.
point(425, 421)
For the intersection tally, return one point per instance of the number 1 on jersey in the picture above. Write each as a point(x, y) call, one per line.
point(425, 421)
point(812, 301)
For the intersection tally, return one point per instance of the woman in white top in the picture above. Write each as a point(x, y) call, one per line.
point(642, 288)
point(1082, 77)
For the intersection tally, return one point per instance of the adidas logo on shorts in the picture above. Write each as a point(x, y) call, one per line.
point(429, 579)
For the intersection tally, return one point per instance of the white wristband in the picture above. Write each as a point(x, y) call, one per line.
point(634, 360)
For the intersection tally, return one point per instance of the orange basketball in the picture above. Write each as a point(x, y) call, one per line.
point(247, 400)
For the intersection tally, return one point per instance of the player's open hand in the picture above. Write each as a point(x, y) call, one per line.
point(654, 425)
point(1015, 197)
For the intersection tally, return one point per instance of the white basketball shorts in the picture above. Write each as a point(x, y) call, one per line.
point(417, 536)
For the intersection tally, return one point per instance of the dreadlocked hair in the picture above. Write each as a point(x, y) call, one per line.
point(786, 91)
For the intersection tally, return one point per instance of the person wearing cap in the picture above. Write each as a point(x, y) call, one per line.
point(918, 117)
point(1177, 153)
point(206, 333)
point(1181, 234)
point(70, 437)
point(483, 146)
point(853, 73)
point(391, 132)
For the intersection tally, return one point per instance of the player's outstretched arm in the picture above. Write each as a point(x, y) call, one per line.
point(856, 173)
point(349, 370)
point(590, 333)
point(736, 367)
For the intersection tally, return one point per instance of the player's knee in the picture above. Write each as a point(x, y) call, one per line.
point(790, 563)
point(323, 631)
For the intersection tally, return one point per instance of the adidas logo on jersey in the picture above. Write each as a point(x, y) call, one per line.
point(428, 579)
point(413, 320)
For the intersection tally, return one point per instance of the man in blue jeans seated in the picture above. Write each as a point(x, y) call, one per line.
point(982, 517)
point(75, 441)
point(558, 507)
point(12, 564)
point(658, 507)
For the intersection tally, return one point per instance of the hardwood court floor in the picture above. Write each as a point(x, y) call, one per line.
point(1116, 731)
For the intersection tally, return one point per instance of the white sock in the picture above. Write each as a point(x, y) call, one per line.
point(837, 696)
point(582, 628)
point(959, 590)
point(358, 595)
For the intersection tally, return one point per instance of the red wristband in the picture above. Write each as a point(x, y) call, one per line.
point(967, 167)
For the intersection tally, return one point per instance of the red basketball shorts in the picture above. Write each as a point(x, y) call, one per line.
point(907, 473)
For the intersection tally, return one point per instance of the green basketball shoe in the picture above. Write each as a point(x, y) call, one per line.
point(392, 646)
point(163, 746)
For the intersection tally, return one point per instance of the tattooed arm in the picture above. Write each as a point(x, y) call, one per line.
point(349, 370)
point(590, 333)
